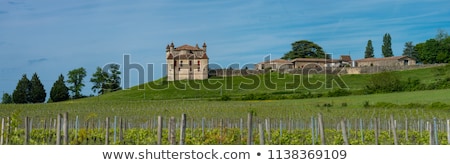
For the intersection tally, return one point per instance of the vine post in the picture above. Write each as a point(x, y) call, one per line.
point(58, 129)
point(183, 129)
point(107, 131)
point(66, 128)
point(250, 128)
point(159, 130)
point(344, 131)
point(27, 130)
point(321, 130)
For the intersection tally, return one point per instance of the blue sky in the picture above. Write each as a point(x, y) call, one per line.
point(52, 37)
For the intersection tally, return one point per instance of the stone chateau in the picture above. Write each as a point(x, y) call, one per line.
point(186, 62)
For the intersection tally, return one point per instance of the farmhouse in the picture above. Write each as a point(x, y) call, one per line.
point(386, 61)
point(186, 62)
point(276, 64)
point(314, 62)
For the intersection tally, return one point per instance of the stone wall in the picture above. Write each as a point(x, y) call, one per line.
point(321, 70)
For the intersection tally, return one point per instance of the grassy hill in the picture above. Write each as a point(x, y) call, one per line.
point(269, 84)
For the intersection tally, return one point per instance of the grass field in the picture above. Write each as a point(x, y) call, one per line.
point(140, 106)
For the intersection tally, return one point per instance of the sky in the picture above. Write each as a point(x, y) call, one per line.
point(52, 37)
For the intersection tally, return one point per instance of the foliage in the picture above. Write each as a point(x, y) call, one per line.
point(386, 48)
point(305, 49)
point(339, 92)
point(37, 92)
point(6, 99)
point(435, 50)
point(99, 79)
point(106, 80)
point(369, 50)
point(410, 50)
point(384, 82)
point(75, 77)
point(22, 92)
point(59, 91)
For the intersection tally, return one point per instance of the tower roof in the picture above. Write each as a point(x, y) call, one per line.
point(187, 47)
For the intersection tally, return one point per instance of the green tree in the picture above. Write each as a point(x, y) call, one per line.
point(113, 81)
point(305, 49)
point(37, 91)
point(75, 77)
point(428, 51)
point(6, 99)
point(410, 50)
point(22, 92)
point(369, 50)
point(386, 48)
point(99, 79)
point(59, 91)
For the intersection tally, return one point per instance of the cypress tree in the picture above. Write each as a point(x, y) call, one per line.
point(369, 50)
point(22, 92)
point(386, 48)
point(37, 92)
point(59, 91)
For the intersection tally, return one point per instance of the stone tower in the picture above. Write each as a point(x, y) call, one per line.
point(186, 62)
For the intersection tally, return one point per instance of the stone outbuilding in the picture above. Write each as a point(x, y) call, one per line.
point(386, 61)
point(276, 64)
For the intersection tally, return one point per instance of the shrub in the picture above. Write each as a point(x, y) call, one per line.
point(225, 98)
point(339, 92)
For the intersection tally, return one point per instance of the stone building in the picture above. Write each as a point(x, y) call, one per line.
point(186, 62)
point(276, 64)
point(314, 62)
point(386, 61)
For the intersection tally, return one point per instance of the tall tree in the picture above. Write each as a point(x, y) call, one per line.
point(37, 91)
point(22, 92)
point(6, 99)
point(113, 81)
point(386, 48)
point(75, 77)
point(441, 35)
point(369, 50)
point(59, 91)
point(305, 49)
point(99, 80)
point(410, 50)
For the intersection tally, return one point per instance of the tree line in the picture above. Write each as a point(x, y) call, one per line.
point(32, 91)
point(434, 50)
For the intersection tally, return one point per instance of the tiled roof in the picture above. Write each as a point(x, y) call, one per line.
point(277, 61)
point(346, 58)
point(313, 60)
point(382, 59)
point(187, 47)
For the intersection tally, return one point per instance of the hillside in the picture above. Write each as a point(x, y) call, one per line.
point(270, 83)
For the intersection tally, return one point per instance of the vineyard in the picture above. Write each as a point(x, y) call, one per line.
point(250, 130)
point(420, 117)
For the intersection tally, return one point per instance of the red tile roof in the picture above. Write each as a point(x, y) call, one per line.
point(382, 59)
point(187, 47)
point(346, 58)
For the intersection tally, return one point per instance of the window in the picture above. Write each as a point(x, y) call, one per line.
point(181, 63)
point(175, 63)
point(190, 63)
point(198, 62)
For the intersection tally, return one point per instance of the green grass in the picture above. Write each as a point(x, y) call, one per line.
point(270, 83)
point(141, 103)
